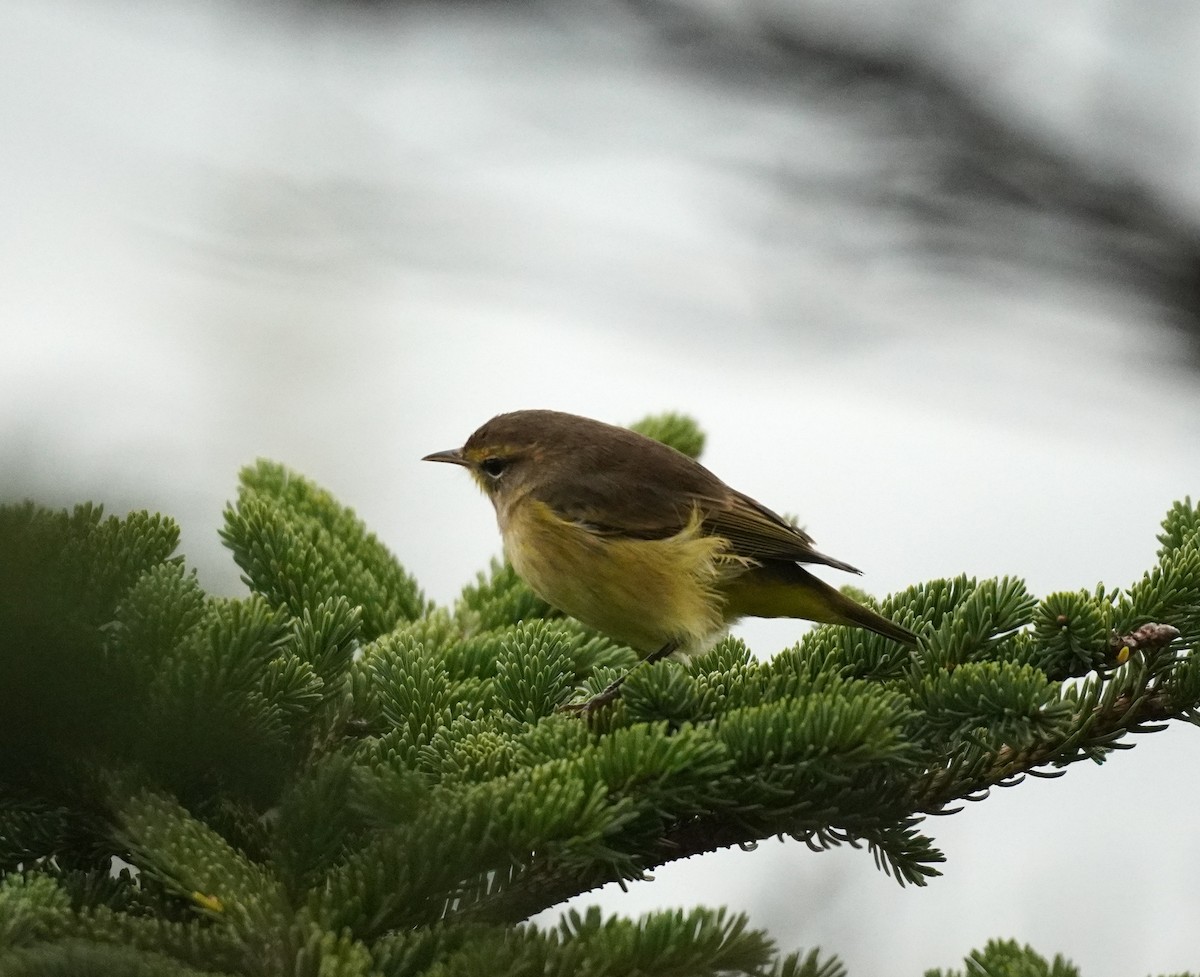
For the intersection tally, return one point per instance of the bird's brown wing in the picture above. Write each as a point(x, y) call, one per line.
point(627, 485)
point(646, 490)
point(757, 532)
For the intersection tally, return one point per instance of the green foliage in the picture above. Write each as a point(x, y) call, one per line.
point(298, 547)
point(678, 430)
point(32, 907)
point(1004, 958)
point(1073, 629)
point(1169, 592)
point(498, 598)
point(70, 957)
point(1180, 528)
point(810, 965)
point(195, 864)
point(330, 776)
point(996, 703)
point(693, 944)
point(699, 942)
point(61, 577)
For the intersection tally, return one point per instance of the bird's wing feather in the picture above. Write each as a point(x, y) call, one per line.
point(662, 505)
point(757, 532)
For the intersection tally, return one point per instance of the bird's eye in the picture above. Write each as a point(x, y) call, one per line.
point(493, 467)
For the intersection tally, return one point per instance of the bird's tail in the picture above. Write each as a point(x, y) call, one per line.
point(781, 589)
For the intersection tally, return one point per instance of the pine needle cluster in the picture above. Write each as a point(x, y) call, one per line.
point(333, 776)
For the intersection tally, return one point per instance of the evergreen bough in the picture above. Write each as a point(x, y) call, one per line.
point(332, 776)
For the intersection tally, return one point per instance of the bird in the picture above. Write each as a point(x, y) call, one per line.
point(641, 542)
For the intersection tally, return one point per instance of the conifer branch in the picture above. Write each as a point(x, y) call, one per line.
point(331, 775)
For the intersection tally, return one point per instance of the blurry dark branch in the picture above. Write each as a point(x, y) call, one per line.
point(974, 189)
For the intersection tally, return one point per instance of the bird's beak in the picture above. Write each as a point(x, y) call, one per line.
point(453, 457)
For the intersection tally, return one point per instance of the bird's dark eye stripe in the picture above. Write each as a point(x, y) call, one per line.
point(493, 466)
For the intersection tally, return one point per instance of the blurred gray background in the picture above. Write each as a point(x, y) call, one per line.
point(928, 274)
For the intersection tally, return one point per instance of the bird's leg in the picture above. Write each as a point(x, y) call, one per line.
point(666, 650)
point(610, 693)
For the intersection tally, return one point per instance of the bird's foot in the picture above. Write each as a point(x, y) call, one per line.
point(609, 695)
point(596, 702)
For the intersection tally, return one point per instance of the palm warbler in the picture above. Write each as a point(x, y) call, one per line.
point(640, 542)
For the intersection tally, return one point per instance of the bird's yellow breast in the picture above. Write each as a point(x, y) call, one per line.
point(642, 592)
